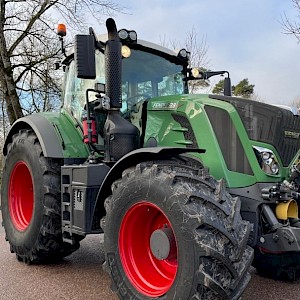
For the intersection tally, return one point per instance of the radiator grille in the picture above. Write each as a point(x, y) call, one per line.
point(229, 141)
point(269, 124)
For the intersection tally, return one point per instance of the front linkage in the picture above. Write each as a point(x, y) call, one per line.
point(277, 250)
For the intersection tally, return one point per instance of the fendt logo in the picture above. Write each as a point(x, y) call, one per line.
point(291, 134)
point(163, 105)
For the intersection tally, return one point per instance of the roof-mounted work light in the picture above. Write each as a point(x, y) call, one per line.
point(184, 54)
point(127, 36)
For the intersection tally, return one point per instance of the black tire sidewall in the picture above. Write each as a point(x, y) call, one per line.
point(24, 150)
point(169, 202)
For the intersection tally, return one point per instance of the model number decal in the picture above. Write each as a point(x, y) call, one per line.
point(291, 134)
point(162, 105)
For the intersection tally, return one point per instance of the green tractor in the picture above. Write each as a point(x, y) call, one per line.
point(186, 188)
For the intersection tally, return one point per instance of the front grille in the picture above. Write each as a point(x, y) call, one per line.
point(229, 141)
point(269, 124)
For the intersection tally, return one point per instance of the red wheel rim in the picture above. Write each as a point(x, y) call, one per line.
point(20, 196)
point(149, 275)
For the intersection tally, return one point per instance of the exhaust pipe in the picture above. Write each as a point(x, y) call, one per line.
point(113, 65)
point(120, 136)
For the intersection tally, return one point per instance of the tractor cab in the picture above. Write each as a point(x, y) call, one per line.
point(148, 70)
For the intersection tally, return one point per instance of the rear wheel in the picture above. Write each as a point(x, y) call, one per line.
point(30, 200)
point(173, 232)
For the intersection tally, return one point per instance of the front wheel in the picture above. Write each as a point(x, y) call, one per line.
point(173, 232)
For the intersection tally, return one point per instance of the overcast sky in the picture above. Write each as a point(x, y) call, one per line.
point(244, 37)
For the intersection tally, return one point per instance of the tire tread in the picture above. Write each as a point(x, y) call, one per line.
point(49, 244)
point(211, 214)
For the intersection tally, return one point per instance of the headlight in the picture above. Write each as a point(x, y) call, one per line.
point(275, 168)
point(267, 160)
point(126, 52)
point(266, 155)
point(195, 72)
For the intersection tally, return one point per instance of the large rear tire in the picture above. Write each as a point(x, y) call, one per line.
point(173, 232)
point(30, 202)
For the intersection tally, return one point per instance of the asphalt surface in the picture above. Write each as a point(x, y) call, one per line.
point(80, 276)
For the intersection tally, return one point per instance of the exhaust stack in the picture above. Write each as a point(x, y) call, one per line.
point(120, 136)
point(113, 65)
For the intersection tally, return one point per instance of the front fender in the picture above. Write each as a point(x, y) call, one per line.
point(131, 159)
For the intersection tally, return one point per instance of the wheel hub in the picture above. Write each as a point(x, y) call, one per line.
point(21, 196)
point(162, 244)
point(148, 249)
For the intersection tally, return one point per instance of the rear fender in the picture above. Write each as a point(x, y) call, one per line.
point(58, 136)
point(44, 130)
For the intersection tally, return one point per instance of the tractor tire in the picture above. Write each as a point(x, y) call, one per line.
point(30, 202)
point(173, 232)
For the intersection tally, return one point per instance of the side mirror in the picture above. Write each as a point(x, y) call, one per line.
point(227, 87)
point(85, 56)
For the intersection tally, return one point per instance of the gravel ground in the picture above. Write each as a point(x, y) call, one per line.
point(80, 276)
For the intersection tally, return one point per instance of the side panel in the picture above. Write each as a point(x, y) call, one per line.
point(187, 125)
point(195, 121)
point(59, 135)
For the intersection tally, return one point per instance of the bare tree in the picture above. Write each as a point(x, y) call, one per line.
point(28, 44)
point(197, 48)
point(4, 127)
point(292, 27)
point(295, 102)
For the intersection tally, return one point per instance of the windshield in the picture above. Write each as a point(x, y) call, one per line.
point(144, 76)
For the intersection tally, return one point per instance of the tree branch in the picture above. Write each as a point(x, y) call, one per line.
point(44, 7)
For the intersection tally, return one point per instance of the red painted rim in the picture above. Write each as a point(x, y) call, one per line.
point(21, 196)
point(150, 276)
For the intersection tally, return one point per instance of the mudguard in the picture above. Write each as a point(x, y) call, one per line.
point(132, 159)
point(58, 135)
